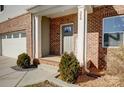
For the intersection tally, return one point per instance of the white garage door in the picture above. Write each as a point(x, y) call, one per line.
point(13, 44)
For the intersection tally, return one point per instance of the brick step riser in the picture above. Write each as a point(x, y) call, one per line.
point(49, 62)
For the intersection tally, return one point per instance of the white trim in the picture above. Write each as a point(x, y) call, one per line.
point(116, 32)
point(113, 17)
point(63, 13)
point(85, 41)
point(54, 9)
point(33, 36)
point(39, 8)
point(36, 36)
point(123, 38)
point(61, 35)
point(38, 52)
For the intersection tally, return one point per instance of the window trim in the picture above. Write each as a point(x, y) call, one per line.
point(110, 32)
point(113, 17)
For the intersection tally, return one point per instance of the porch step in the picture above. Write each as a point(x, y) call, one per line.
point(49, 62)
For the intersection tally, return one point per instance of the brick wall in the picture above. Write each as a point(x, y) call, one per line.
point(95, 26)
point(92, 47)
point(55, 31)
point(22, 22)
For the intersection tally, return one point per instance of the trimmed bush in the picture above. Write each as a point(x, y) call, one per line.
point(36, 62)
point(23, 60)
point(69, 67)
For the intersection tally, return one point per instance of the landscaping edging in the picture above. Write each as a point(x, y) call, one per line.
point(60, 83)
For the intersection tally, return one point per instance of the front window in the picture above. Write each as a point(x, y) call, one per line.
point(113, 39)
point(113, 31)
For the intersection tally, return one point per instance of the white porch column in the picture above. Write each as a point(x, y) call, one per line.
point(81, 35)
point(37, 38)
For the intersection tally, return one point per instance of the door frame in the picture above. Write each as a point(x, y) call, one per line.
point(61, 36)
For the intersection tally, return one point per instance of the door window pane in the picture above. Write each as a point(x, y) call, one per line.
point(67, 30)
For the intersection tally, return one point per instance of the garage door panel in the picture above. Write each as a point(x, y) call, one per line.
point(12, 47)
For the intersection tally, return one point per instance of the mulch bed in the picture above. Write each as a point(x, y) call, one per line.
point(84, 78)
point(17, 68)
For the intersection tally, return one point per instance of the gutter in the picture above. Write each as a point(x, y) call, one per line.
point(32, 7)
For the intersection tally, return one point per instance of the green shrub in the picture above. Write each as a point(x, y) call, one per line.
point(69, 67)
point(23, 60)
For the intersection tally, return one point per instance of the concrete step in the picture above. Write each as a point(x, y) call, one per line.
point(49, 62)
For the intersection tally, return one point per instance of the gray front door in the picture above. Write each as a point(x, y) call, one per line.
point(67, 38)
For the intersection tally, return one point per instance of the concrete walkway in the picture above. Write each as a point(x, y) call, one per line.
point(13, 78)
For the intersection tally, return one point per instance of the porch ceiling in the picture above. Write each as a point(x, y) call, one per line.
point(63, 13)
point(39, 8)
point(53, 10)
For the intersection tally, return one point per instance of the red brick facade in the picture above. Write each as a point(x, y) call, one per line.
point(55, 31)
point(22, 22)
point(96, 52)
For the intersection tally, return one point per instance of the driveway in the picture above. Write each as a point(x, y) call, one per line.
point(10, 77)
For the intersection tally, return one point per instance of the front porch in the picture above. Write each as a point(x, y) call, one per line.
point(59, 29)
